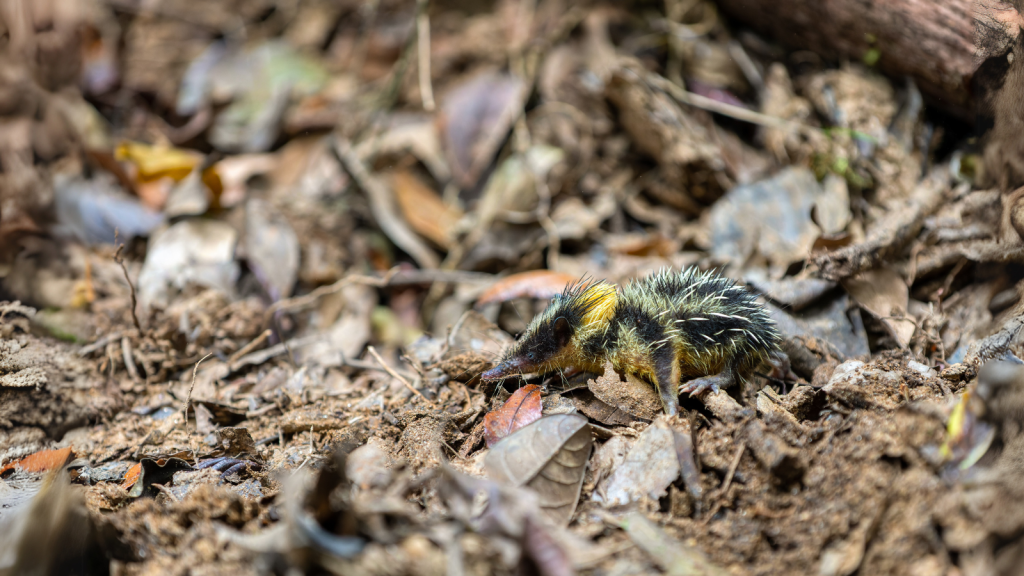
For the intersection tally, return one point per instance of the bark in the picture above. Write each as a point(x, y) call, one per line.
point(931, 41)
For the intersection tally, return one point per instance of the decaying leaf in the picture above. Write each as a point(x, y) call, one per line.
point(198, 252)
point(521, 409)
point(512, 513)
point(139, 481)
point(831, 323)
point(550, 457)
point(424, 210)
point(475, 117)
point(770, 218)
point(540, 284)
point(884, 294)
point(271, 248)
point(586, 402)
point(155, 162)
point(650, 466)
point(632, 395)
point(41, 461)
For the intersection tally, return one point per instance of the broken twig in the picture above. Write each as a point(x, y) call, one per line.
point(397, 376)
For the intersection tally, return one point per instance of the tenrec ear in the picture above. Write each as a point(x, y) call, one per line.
point(563, 332)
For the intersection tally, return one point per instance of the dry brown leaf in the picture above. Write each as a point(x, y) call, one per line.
point(548, 456)
point(605, 413)
point(521, 409)
point(884, 294)
point(633, 396)
point(649, 467)
point(474, 119)
point(423, 209)
point(541, 284)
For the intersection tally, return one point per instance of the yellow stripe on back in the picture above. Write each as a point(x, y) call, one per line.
point(600, 299)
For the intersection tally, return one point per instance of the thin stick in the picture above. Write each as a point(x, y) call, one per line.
point(100, 343)
point(732, 468)
point(423, 48)
point(382, 205)
point(737, 112)
point(256, 342)
point(397, 376)
point(120, 261)
point(308, 299)
point(129, 360)
point(188, 398)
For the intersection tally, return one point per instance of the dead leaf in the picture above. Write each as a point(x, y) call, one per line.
point(650, 466)
point(41, 461)
point(92, 210)
point(605, 413)
point(521, 409)
point(132, 476)
point(884, 294)
point(152, 471)
point(540, 284)
point(424, 210)
point(770, 218)
point(190, 252)
point(830, 323)
point(474, 119)
point(548, 456)
point(633, 396)
point(271, 248)
point(155, 162)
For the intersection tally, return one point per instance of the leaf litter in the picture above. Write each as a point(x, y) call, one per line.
point(350, 211)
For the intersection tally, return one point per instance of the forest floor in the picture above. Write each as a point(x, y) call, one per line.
point(255, 255)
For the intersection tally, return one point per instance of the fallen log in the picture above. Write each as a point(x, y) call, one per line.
point(931, 41)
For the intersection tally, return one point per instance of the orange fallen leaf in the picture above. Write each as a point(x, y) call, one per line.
point(424, 210)
point(132, 476)
point(41, 461)
point(541, 284)
point(522, 408)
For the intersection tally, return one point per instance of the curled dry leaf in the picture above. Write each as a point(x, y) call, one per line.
point(541, 284)
point(521, 409)
point(139, 481)
point(548, 456)
point(424, 210)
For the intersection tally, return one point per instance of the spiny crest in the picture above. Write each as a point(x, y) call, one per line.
point(582, 303)
point(587, 301)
